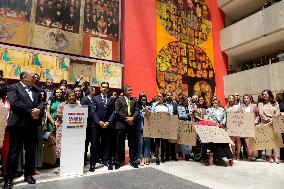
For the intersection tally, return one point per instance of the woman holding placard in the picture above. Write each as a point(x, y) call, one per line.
point(268, 109)
point(160, 106)
point(231, 107)
point(248, 107)
point(221, 151)
point(185, 113)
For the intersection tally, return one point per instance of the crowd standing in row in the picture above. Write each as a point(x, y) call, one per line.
point(35, 109)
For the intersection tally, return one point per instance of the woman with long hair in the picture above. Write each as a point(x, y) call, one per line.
point(185, 114)
point(143, 106)
point(231, 107)
point(52, 106)
point(249, 107)
point(268, 109)
point(221, 151)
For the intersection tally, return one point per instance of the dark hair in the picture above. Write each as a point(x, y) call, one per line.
point(140, 100)
point(125, 87)
point(23, 73)
point(86, 83)
point(44, 95)
point(105, 82)
point(271, 97)
point(52, 98)
point(89, 90)
point(62, 81)
point(3, 90)
point(1, 71)
point(184, 101)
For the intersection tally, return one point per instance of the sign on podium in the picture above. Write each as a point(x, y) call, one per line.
point(73, 140)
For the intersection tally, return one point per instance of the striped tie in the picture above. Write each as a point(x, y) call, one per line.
point(104, 101)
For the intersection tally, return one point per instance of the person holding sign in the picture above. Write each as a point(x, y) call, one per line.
point(233, 107)
point(268, 109)
point(184, 113)
point(248, 107)
point(162, 107)
point(103, 115)
point(221, 151)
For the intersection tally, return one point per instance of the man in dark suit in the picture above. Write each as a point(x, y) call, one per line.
point(103, 115)
point(22, 123)
point(87, 101)
point(127, 112)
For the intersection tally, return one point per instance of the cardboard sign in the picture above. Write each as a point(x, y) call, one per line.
point(185, 132)
point(265, 138)
point(208, 134)
point(3, 123)
point(278, 124)
point(241, 124)
point(159, 125)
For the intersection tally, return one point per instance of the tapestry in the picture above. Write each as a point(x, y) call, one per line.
point(185, 56)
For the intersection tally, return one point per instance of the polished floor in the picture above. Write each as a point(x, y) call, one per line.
point(180, 174)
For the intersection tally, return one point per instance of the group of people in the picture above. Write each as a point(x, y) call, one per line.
point(63, 14)
point(101, 18)
point(261, 61)
point(35, 109)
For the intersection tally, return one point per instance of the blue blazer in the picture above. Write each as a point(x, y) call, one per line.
point(100, 112)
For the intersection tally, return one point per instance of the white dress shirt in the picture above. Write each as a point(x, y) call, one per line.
point(29, 91)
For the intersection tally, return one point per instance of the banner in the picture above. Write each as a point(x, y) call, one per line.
point(241, 124)
point(265, 138)
point(278, 124)
point(3, 123)
point(208, 134)
point(185, 131)
point(159, 125)
point(73, 140)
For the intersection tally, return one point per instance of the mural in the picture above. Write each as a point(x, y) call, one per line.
point(12, 62)
point(15, 17)
point(101, 29)
point(185, 60)
point(57, 25)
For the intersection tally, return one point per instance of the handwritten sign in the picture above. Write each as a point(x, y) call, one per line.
point(241, 124)
point(3, 123)
point(265, 138)
point(278, 124)
point(159, 125)
point(185, 132)
point(208, 134)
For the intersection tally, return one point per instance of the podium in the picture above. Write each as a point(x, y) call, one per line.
point(73, 140)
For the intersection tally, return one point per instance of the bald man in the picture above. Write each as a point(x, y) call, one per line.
point(24, 117)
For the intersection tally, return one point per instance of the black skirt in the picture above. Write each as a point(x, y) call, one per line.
point(221, 150)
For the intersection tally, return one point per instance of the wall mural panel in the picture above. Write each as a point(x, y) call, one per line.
point(81, 27)
point(12, 62)
point(185, 58)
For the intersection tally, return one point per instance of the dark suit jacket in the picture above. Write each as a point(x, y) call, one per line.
point(121, 110)
point(101, 113)
point(86, 101)
point(21, 105)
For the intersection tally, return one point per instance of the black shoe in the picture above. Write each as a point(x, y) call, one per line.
point(110, 167)
point(162, 160)
point(186, 157)
point(157, 161)
point(92, 168)
point(119, 164)
point(30, 179)
point(8, 184)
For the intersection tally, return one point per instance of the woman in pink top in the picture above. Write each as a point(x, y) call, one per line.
point(269, 108)
point(248, 107)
